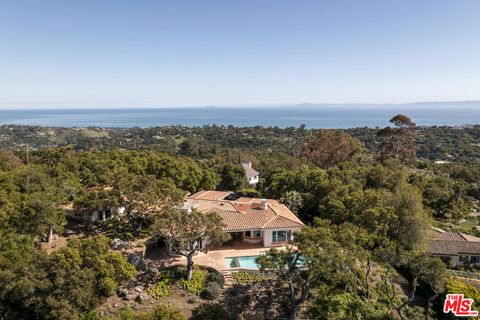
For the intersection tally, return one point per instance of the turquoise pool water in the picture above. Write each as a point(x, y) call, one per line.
point(249, 262)
point(242, 262)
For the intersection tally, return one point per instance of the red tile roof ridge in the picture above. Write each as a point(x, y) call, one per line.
point(272, 219)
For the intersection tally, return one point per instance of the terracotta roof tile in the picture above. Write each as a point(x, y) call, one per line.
point(446, 247)
point(210, 195)
point(453, 243)
point(245, 213)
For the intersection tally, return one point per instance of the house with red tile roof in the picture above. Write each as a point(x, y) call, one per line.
point(264, 222)
point(457, 247)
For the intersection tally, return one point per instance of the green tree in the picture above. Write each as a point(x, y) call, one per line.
point(38, 203)
point(446, 198)
point(288, 266)
point(78, 274)
point(409, 229)
point(186, 231)
point(318, 258)
point(9, 161)
point(46, 214)
point(189, 148)
point(232, 177)
point(422, 269)
point(398, 142)
point(144, 196)
point(89, 201)
point(293, 200)
point(20, 276)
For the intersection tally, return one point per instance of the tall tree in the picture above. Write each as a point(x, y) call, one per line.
point(232, 177)
point(446, 198)
point(186, 231)
point(319, 257)
point(422, 269)
point(46, 215)
point(326, 148)
point(38, 199)
point(144, 196)
point(293, 200)
point(398, 142)
point(9, 161)
point(89, 201)
point(288, 266)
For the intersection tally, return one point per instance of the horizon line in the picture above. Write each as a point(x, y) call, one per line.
point(226, 106)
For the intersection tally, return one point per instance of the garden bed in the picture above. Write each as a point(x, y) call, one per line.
point(247, 277)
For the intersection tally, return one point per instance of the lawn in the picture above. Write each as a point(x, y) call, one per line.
point(467, 226)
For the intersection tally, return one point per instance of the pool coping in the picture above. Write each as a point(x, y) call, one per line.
point(216, 258)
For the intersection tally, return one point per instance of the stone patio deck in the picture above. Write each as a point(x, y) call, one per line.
point(215, 258)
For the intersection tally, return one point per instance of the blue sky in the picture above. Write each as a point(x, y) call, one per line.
point(122, 53)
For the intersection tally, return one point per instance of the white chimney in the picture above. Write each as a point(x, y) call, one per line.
point(247, 163)
point(263, 204)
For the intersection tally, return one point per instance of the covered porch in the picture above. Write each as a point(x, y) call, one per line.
point(245, 239)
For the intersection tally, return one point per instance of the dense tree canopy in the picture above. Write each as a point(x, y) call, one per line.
point(330, 147)
point(62, 285)
point(185, 231)
point(367, 196)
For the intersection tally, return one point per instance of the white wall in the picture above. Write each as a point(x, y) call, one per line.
point(267, 238)
point(253, 180)
point(456, 260)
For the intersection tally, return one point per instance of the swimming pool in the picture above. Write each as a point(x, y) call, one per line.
point(242, 262)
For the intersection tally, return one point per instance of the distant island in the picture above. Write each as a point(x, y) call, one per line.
point(311, 115)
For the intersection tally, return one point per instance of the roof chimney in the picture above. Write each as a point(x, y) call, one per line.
point(263, 204)
point(247, 163)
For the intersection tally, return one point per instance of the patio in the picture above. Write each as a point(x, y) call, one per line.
point(216, 258)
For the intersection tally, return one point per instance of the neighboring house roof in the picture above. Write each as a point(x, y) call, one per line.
point(249, 171)
point(245, 213)
point(210, 195)
point(453, 243)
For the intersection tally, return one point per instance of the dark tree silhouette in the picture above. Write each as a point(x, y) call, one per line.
point(398, 142)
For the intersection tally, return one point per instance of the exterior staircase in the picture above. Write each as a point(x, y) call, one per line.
point(227, 276)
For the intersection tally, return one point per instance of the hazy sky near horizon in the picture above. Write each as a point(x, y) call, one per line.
point(117, 53)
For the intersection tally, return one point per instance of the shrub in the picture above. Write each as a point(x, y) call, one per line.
point(107, 286)
point(212, 291)
point(159, 290)
point(217, 277)
point(163, 312)
point(210, 311)
point(197, 283)
point(92, 315)
point(247, 277)
point(455, 285)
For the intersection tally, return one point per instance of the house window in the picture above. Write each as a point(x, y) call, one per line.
point(253, 234)
point(462, 258)
point(474, 259)
point(281, 236)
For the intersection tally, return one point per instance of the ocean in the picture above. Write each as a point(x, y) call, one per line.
point(313, 116)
